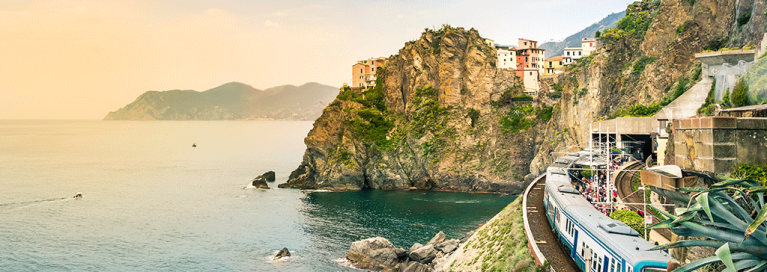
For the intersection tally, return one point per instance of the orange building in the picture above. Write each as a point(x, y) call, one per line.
point(364, 72)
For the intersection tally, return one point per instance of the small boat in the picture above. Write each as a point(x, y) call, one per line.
point(194, 145)
point(78, 195)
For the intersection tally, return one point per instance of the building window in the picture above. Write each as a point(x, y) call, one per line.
point(361, 71)
point(560, 63)
point(579, 53)
point(531, 73)
point(568, 53)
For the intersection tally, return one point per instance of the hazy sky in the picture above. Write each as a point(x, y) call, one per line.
point(82, 59)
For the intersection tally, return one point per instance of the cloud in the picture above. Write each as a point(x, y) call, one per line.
point(270, 24)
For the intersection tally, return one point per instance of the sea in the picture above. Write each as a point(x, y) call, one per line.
point(152, 202)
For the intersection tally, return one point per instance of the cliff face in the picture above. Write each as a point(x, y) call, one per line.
point(231, 101)
point(643, 61)
point(442, 117)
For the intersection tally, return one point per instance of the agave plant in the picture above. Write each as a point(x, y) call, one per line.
point(729, 215)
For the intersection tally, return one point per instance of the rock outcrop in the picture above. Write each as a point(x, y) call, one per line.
point(380, 254)
point(270, 176)
point(373, 253)
point(283, 253)
point(442, 117)
point(260, 183)
point(643, 62)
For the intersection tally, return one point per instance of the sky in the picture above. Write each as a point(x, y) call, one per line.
point(75, 59)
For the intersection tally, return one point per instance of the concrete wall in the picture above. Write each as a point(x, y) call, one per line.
point(717, 144)
point(711, 61)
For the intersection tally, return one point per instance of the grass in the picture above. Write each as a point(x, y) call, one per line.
point(501, 246)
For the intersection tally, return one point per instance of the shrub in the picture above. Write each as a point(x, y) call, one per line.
point(716, 43)
point(630, 218)
point(680, 29)
point(546, 113)
point(726, 99)
point(637, 111)
point(744, 18)
point(641, 63)
point(707, 109)
point(474, 115)
point(516, 120)
point(755, 172)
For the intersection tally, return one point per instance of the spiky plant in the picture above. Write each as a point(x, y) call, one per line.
point(729, 215)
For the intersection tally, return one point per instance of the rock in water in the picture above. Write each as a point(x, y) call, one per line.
point(447, 246)
point(439, 238)
point(424, 254)
point(283, 253)
point(373, 253)
point(415, 246)
point(269, 176)
point(260, 183)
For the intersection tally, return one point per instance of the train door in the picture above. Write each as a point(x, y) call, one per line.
point(588, 258)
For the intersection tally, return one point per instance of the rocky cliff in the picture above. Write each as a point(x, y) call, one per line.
point(231, 101)
point(441, 117)
point(644, 61)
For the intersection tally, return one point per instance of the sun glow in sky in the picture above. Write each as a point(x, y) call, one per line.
point(81, 59)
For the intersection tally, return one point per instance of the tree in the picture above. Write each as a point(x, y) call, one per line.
point(740, 94)
point(597, 34)
point(726, 99)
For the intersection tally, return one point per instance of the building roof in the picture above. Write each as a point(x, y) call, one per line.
point(557, 58)
point(589, 40)
point(573, 48)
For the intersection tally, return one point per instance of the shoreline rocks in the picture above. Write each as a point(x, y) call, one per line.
point(378, 253)
point(260, 181)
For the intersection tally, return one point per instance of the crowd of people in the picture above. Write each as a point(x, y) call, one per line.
point(593, 185)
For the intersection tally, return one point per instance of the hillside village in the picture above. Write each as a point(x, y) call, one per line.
point(526, 59)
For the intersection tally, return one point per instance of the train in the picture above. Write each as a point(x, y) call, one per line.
point(596, 242)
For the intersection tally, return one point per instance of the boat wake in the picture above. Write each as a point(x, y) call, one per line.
point(13, 206)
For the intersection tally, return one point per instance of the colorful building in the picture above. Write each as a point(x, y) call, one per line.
point(573, 52)
point(554, 65)
point(507, 57)
point(588, 46)
point(529, 56)
point(364, 72)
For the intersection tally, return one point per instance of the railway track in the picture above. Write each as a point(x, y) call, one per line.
point(543, 236)
point(623, 183)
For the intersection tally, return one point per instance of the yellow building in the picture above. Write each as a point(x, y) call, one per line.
point(553, 65)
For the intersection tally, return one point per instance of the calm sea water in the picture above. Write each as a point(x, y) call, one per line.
point(152, 202)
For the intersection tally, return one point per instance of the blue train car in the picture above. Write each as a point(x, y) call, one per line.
point(596, 242)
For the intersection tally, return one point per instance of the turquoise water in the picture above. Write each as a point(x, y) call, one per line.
point(152, 202)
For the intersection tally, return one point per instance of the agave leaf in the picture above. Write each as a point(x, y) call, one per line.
point(721, 211)
point(758, 189)
point(719, 225)
point(688, 243)
point(697, 230)
point(727, 182)
point(760, 267)
point(702, 199)
point(757, 222)
point(725, 255)
point(736, 207)
point(743, 264)
point(692, 266)
point(664, 213)
point(686, 216)
point(668, 223)
point(692, 190)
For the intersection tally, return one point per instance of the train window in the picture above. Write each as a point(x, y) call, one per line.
point(594, 261)
point(619, 267)
point(612, 265)
point(583, 249)
point(599, 264)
